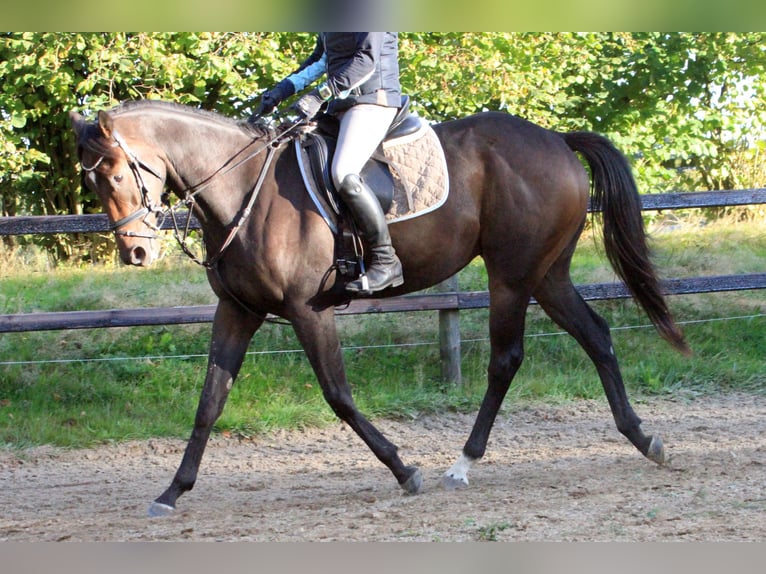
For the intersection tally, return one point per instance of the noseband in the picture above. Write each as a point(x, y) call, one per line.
point(148, 206)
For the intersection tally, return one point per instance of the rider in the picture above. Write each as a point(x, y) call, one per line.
point(362, 70)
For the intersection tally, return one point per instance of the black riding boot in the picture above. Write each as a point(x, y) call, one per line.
point(385, 269)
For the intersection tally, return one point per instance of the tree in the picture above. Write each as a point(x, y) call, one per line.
point(689, 109)
point(45, 75)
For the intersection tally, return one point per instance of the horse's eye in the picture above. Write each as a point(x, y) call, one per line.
point(118, 178)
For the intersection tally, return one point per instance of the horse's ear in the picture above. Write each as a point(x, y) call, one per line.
point(78, 122)
point(105, 124)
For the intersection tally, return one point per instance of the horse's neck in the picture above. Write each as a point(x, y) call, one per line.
point(201, 152)
point(219, 166)
point(204, 156)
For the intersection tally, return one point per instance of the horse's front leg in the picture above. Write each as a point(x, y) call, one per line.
point(318, 335)
point(233, 328)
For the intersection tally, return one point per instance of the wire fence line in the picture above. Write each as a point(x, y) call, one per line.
point(186, 357)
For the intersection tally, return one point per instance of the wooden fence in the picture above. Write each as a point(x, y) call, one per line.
point(449, 301)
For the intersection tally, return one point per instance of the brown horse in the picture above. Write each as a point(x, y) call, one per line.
point(518, 198)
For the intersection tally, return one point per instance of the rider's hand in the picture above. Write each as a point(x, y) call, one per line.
point(308, 105)
point(273, 97)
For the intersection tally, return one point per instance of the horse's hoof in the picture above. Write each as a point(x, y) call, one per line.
point(414, 483)
point(656, 452)
point(157, 509)
point(451, 481)
point(457, 476)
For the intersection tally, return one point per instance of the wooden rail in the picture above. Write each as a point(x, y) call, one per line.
point(448, 302)
point(98, 223)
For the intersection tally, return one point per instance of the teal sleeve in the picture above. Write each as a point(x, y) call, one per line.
point(309, 74)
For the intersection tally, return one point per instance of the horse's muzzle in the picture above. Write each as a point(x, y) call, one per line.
point(138, 255)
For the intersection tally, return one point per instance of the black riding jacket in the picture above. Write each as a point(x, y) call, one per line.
point(363, 65)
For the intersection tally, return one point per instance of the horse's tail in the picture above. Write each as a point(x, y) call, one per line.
point(615, 194)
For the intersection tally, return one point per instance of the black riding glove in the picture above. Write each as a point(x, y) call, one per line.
point(308, 105)
point(273, 97)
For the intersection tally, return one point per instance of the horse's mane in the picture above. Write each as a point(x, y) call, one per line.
point(92, 139)
point(139, 105)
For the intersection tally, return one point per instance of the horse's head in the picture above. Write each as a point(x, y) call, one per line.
point(129, 187)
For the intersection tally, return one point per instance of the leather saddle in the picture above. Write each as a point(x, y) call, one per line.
point(318, 147)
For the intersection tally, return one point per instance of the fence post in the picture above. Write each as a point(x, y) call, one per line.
point(449, 337)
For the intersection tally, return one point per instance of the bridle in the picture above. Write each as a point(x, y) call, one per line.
point(148, 207)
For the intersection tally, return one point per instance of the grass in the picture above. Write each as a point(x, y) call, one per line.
point(78, 388)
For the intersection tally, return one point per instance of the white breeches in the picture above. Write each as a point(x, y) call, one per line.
point(362, 128)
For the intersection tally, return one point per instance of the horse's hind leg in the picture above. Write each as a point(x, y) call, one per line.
point(232, 330)
point(561, 301)
point(506, 327)
point(318, 336)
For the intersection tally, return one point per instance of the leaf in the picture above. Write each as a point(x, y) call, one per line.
point(18, 121)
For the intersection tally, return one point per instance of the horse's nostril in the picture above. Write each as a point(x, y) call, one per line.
point(137, 256)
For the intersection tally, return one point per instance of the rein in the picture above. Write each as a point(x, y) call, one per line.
point(189, 200)
point(148, 207)
point(211, 262)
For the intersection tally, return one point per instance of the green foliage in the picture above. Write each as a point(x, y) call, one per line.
point(45, 75)
point(684, 106)
point(689, 109)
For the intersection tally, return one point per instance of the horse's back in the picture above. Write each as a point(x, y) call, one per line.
point(517, 140)
point(521, 169)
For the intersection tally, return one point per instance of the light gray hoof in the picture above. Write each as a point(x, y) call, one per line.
point(656, 452)
point(414, 483)
point(453, 482)
point(157, 509)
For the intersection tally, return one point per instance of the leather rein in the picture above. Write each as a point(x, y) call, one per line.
point(149, 207)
